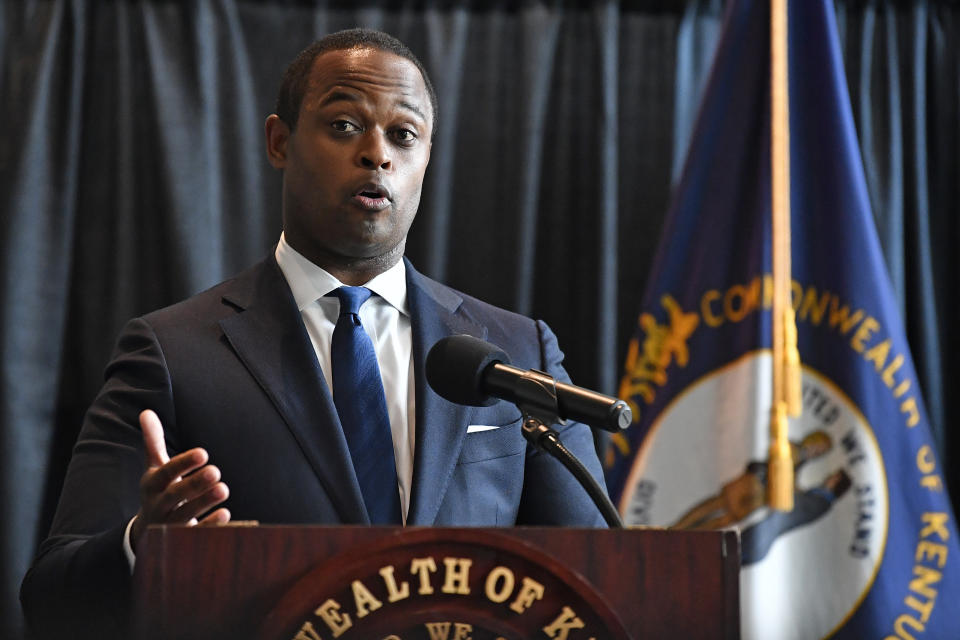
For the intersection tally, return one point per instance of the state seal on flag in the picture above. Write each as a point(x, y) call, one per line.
point(702, 465)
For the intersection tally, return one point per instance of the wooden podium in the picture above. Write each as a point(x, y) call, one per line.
point(372, 583)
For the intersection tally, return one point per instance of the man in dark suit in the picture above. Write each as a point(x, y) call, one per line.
point(235, 382)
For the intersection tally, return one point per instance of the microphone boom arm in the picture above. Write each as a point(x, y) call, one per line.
point(535, 392)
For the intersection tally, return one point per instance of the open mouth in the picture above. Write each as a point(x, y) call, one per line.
point(373, 197)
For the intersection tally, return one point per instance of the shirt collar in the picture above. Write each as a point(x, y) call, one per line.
point(309, 283)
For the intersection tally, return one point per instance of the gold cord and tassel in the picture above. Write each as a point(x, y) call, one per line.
point(786, 357)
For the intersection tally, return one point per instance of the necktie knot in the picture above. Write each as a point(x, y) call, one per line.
point(351, 298)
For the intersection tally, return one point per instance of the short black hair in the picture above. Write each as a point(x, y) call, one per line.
point(294, 82)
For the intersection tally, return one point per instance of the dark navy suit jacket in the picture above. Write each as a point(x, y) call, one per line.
point(233, 370)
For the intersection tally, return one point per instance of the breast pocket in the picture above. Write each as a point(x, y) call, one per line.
point(506, 439)
point(487, 482)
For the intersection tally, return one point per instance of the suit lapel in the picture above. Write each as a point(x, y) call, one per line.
point(440, 425)
point(269, 337)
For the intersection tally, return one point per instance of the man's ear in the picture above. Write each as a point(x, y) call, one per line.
point(277, 135)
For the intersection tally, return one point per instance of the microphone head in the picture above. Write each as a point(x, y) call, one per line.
point(455, 367)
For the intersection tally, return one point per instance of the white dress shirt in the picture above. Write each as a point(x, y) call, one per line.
point(386, 319)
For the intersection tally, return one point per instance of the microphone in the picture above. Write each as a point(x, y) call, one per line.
point(470, 371)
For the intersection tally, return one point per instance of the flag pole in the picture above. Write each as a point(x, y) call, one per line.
point(786, 359)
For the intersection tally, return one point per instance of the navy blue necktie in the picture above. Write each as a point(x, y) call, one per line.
point(362, 406)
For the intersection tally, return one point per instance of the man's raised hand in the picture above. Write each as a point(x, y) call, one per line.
point(176, 490)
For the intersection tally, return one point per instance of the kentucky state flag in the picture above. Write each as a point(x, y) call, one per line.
point(870, 548)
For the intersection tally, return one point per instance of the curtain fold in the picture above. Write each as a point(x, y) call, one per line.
point(447, 37)
point(607, 29)
point(39, 159)
point(903, 94)
point(132, 174)
point(697, 40)
point(536, 67)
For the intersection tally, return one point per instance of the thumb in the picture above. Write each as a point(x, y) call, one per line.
point(153, 439)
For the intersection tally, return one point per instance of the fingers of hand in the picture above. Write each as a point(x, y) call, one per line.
point(220, 516)
point(157, 479)
point(153, 441)
point(190, 488)
point(170, 495)
point(200, 500)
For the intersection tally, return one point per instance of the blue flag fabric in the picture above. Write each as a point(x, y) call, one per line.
point(870, 549)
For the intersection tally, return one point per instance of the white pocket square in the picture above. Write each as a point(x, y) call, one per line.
point(474, 428)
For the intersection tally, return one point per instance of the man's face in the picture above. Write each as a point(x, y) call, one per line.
point(354, 164)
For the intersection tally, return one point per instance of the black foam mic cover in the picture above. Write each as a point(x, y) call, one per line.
point(455, 367)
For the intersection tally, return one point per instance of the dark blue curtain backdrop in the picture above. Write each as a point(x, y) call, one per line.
point(132, 175)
